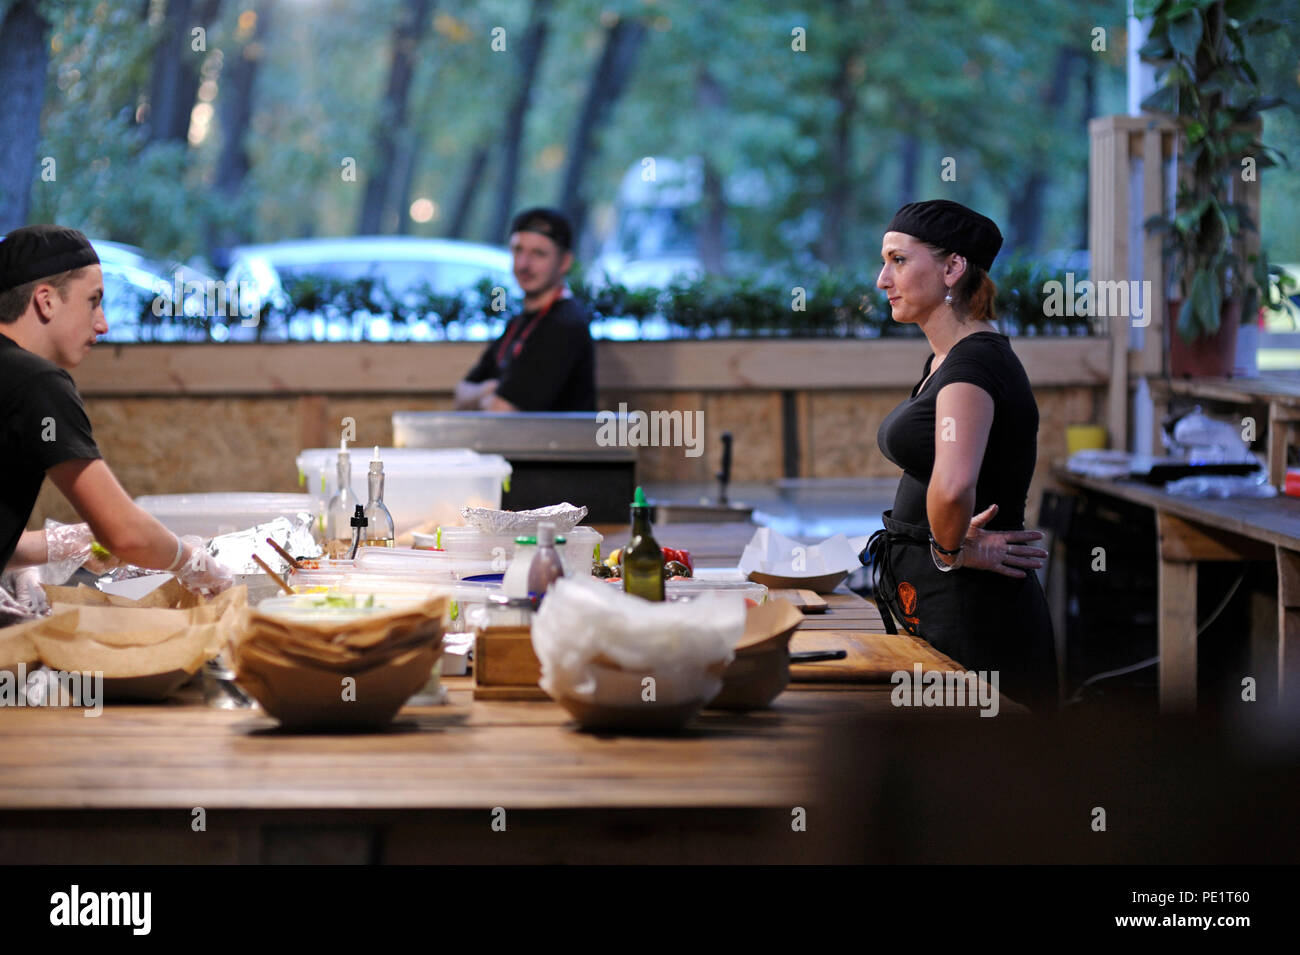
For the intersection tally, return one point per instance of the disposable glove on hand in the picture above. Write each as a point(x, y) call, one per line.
point(29, 592)
point(67, 548)
point(200, 573)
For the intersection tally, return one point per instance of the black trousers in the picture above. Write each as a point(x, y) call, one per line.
point(983, 620)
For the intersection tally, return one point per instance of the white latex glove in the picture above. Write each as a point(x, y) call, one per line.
point(29, 592)
point(68, 547)
point(200, 573)
point(11, 611)
point(16, 609)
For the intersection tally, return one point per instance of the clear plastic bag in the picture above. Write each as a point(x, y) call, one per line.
point(1221, 486)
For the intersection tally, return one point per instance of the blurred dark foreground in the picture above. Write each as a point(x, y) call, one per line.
point(1215, 791)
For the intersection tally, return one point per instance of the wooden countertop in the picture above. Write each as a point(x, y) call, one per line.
point(468, 754)
point(1274, 520)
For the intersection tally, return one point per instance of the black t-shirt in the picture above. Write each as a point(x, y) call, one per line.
point(907, 434)
point(42, 423)
point(554, 369)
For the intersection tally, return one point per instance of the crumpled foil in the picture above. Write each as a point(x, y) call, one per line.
point(235, 551)
point(565, 517)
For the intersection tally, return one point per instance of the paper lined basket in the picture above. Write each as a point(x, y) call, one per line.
point(348, 669)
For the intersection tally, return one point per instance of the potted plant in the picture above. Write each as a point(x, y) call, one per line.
point(1208, 85)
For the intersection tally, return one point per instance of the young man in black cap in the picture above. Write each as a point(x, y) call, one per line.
point(51, 294)
point(544, 360)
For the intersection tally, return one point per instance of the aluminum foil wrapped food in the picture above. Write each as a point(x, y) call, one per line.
point(236, 550)
point(565, 517)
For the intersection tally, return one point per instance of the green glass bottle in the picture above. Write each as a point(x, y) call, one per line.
point(643, 561)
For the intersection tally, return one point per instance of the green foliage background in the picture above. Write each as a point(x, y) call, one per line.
point(964, 77)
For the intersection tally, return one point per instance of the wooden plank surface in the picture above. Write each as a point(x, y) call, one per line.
point(1286, 391)
point(469, 754)
point(1274, 520)
point(872, 657)
point(434, 367)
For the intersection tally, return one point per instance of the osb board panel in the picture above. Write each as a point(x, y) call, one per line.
point(841, 433)
point(373, 416)
point(753, 418)
point(665, 463)
point(176, 445)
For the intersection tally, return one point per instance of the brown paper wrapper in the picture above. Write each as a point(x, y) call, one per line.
point(336, 674)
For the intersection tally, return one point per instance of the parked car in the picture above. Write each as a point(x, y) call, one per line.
point(658, 215)
point(406, 266)
point(140, 292)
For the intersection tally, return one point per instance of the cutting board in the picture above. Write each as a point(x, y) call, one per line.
point(805, 600)
point(872, 657)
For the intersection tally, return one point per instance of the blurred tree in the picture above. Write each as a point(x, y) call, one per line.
point(180, 47)
point(24, 55)
point(471, 179)
point(236, 109)
point(609, 79)
point(511, 139)
point(392, 133)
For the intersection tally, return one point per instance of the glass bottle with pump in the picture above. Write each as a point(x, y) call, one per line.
point(379, 522)
point(341, 507)
point(643, 560)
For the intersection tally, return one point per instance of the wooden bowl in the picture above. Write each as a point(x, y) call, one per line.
point(617, 701)
point(761, 669)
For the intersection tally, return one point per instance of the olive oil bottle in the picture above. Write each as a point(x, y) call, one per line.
point(379, 522)
point(339, 511)
point(643, 560)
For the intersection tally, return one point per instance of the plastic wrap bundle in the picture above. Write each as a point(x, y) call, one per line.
point(598, 645)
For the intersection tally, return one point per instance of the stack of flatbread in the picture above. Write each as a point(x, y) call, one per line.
point(338, 670)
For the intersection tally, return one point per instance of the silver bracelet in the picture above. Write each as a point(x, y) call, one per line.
point(947, 568)
point(180, 555)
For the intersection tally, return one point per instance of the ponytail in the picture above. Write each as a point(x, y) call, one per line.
point(975, 295)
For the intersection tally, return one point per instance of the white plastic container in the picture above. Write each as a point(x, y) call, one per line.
point(578, 550)
point(422, 488)
point(207, 515)
point(418, 563)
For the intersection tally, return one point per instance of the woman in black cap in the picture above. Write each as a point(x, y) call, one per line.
point(953, 563)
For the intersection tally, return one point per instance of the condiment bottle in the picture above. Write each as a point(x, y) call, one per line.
point(379, 522)
point(643, 560)
point(546, 567)
point(338, 520)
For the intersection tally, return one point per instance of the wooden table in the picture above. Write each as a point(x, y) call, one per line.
point(125, 786)
point(1190, 531)
point(1277, 398)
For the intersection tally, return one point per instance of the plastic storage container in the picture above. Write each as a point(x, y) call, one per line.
point(422, 488)
point(689, 589)
point(207, 515)
point(577, 551)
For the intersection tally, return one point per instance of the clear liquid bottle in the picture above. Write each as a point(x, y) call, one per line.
point(379, 522)
point(546, 567)
point(643, 560)
point(341, 507)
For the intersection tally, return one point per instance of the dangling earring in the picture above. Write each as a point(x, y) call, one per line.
point(947, 299)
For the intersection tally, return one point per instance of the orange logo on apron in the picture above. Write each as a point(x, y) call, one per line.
point(907, 600)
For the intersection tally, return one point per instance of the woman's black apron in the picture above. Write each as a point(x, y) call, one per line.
point(981, 619)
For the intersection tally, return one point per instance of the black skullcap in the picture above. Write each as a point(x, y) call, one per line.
point(551, 223)
point(952, 227)
point(39, 251)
